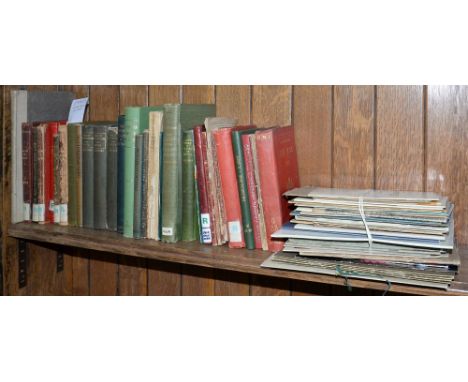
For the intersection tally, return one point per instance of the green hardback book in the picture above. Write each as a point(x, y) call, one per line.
point(242, 185)
point(137, 234)
point(177, 118)
point(87, 153)
point(136, 122)
point(189, 206)
point(144, 184)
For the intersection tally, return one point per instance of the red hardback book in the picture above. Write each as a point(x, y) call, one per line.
point(253, 200)
point(277, 160)
point(206, 218)
point(26, 130)
point(52, 129)
point(227, 172)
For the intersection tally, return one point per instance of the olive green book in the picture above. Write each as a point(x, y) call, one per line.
point(74, 175)
point(136, 122)
point(177, 118)
point(189, 202)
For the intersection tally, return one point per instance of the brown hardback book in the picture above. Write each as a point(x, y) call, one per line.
point(27, 170)
point(39, 135)
point(261, 215)
point(56, 178)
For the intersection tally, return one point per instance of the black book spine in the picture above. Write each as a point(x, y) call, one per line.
point(120, 172)
point(112, 177)
point(137, 234)
point(88, 175)
point(100, 176)
point(144, 184)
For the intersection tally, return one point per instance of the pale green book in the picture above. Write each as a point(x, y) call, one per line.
point(136, 122)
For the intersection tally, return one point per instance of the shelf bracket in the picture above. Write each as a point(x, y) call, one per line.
point(60, 264)
point(22, 262)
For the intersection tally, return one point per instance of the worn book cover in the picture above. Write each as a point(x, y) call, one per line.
point(215, 198)
point(137, 194)
point(63, 173)
point(278, 170)
point(27, 158)
point(112, 175)
point(177, 118)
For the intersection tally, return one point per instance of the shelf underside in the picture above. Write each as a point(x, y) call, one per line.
point(193, 253)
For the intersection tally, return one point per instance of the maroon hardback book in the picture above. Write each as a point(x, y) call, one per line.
point(26, 131)
point(253, 200)
point(277, 161)
point(51, 131)
point(206, 217)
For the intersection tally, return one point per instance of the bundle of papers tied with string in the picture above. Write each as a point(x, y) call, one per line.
point(391, 235)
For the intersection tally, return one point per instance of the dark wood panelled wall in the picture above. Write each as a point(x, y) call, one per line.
point(384, 137)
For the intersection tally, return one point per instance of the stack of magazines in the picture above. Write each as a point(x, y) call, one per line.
point(392, 236)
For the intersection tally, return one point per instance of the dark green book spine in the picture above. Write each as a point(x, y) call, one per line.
point(112, 177)
point(243, 191)
point(71, 141)
point(100, 176)
point(170, 231)
point(144, 184)
point(120, 172)
point(88, 175)
point(189, 226)
point(138, 186)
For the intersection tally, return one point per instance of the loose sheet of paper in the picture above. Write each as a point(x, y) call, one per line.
point(77, 110)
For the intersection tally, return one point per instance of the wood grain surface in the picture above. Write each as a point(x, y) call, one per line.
point(271, 105)
point(447, 150)
point(312, 120)
point(400, 138)
point(233, 102)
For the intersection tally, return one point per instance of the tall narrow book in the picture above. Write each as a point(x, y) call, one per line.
point(56, 179)
point(216, 202)
point(51, 132)
point(177, 118)
point(120, 172)
point(189, 203)
point(87, 153)
point(154, 143)
point(39, 142)
point(136, 121)
point(100, 175)
point(251, 187)
point(242, 185)
point(112, 175)
point(201, 161)
point(230, 193)
point(63, 173)
point(277, 161)
point(137, 194)
point(144, 184)
point(27, 158)
point(75, 191)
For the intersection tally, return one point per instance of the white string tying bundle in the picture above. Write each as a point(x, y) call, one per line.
point(363, 217)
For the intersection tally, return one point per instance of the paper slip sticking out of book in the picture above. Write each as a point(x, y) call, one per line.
point(77, 110)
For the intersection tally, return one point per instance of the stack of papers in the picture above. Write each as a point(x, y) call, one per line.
point(405, 237)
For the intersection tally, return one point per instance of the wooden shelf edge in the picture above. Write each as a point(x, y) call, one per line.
point(193, 253)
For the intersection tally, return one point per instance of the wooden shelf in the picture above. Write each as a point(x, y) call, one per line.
point(193, 253)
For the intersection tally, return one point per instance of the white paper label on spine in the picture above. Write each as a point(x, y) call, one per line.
point(167, 231)
point(235, 234)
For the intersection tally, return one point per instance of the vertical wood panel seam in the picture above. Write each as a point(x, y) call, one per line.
point(332, 137)
point(374, 180)
point(425, 127)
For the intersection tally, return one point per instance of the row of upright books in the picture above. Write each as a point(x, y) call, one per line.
point(171, 172)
